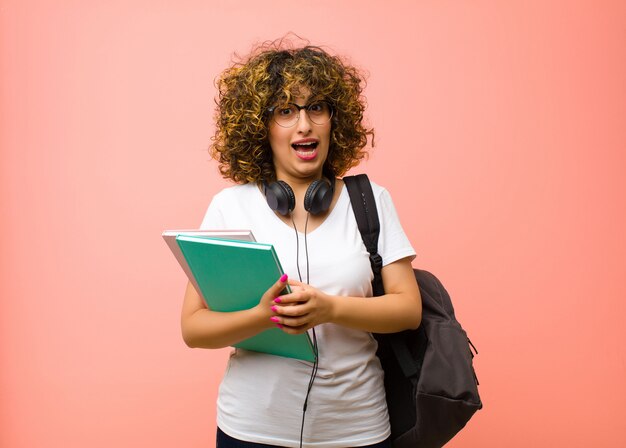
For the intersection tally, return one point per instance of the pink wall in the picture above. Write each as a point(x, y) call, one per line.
point(501, 135)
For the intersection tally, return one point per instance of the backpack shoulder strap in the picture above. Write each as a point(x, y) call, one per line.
point(366, 214)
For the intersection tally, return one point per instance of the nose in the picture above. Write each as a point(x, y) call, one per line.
point(304, 122)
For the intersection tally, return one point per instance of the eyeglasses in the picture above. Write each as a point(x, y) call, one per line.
point(319, 112)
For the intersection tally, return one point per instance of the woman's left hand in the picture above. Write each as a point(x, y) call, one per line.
point(302, 309)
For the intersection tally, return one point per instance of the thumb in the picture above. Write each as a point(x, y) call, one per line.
point(276, 289)
point(280, 284)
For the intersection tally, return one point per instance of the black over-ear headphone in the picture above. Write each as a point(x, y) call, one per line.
point(317, 199)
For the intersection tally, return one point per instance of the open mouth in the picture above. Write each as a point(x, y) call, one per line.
point(307, 146)
point(306, 149)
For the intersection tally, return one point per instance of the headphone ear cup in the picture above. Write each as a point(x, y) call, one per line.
point(318, 197)
point(280, 197)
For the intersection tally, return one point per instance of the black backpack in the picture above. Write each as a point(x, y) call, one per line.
point(430, 383)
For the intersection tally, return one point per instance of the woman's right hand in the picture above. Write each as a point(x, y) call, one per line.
point(202, 327)
point(264, 308)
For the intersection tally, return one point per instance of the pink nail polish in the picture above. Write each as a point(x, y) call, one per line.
point(274, 319)
point(278, 300)
point(283, 278)
point(279, 325)
point(274, 308)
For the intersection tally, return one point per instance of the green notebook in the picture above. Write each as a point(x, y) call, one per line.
point(232, 276)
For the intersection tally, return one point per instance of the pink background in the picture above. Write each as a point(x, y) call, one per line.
point(500, 134)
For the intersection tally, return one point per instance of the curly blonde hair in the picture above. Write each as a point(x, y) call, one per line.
point(272, 75)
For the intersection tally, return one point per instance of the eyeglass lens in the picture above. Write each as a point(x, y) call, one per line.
point(319, 112)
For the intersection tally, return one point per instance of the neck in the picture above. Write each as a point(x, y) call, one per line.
point(298, 183)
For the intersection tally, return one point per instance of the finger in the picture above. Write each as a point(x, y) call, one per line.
point(279, 286)
point(291, 321)
point(296, 321)
point(292, 298)
point(293, 282)
point(295, 330)
point(290, 311)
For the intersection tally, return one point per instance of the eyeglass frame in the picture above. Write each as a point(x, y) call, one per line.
point(306, 108)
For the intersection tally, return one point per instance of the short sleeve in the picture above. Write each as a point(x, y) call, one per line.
point(213, 218)
point(393, 244)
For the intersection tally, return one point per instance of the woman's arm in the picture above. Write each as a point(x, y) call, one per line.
point(399, 309)
point(203, 328)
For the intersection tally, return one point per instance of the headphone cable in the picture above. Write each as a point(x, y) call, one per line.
point(315, 346)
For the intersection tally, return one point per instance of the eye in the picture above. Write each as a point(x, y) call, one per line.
point(316, 107)
point(284, 111)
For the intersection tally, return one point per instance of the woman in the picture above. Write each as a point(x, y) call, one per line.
point(289, 124)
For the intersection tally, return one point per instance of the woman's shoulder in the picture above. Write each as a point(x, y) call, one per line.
point(232, 196)
point(378, 190)
point(236, 191)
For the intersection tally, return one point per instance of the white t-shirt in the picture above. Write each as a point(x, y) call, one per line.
point(261, 396)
